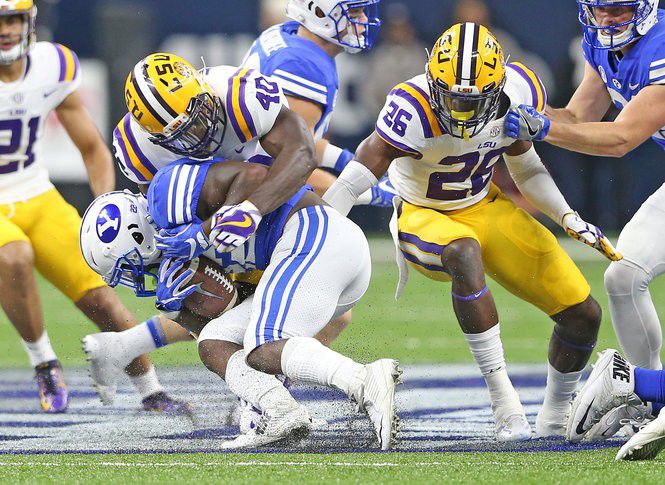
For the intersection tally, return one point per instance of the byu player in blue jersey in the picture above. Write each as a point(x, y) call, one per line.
point(624, 47)
point(300, 56)
point(316, 266)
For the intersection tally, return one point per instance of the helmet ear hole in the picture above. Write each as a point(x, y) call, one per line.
point(319, 13)
point(138, 237)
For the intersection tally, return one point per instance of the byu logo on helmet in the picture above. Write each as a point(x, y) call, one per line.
point(108, 223)
point(614, 29)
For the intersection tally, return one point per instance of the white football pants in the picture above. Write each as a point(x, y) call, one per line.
point(642, 243)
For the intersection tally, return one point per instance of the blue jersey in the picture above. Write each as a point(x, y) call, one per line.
point(301, 67)
point(642, 66)
point(172, 200)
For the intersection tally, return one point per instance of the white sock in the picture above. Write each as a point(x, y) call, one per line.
point(306, 359)
point(39, 351)
point(260, 390)
point(487, 350)
point(559, 390)
point(139, 340)
point(147, 384)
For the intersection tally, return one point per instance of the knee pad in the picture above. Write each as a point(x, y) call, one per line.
point(624, 278)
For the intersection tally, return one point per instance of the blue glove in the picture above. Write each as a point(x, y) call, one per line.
point(187, 241)
point(171, 290)
point(525, 123)
point(383, 193)
point(233, 225)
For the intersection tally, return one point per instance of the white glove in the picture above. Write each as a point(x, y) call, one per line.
point(590, 235)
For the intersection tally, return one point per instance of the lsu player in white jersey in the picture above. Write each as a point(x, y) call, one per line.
point(439, 136)
point(37, 227)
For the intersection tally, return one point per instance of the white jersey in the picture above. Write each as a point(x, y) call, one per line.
point(52, 73)
point(441, 171)
point(252, 103)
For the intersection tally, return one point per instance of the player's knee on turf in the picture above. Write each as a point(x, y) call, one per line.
point(624, 279)
point(17, 260)
point(462, 259)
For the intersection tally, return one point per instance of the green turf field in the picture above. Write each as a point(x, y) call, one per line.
point(361, 468)
point(420, 328)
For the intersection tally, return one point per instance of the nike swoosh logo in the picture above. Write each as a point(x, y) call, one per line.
point(239, 151)
point(532, 131)
point(633, 87)
point(580, 429)
point(46, 95)
point(243, 224)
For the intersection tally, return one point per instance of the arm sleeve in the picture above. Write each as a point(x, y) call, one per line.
point(537, 185)
point(352, 182)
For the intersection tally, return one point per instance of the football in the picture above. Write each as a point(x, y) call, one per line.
point(216, 292)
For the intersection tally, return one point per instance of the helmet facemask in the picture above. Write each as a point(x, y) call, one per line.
point(358, 36)
point(199, 131)
point(132, 271)
point(462, 111)
point(616, 36)
point(27, 39)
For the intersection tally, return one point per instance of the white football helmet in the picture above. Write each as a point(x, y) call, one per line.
point(333, 21)
point(27, 10)
point(118, 241)
point(645, 16)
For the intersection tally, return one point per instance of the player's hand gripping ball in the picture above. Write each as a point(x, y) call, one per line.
point(200, 286)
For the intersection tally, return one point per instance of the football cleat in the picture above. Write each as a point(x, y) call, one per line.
point(103, 367)
point(610, 385)
point(53, 394)
point(627, 418)
point(376, 396)
point(514, 427)
point(288, 421)
point(645, 444)
point(160, 402)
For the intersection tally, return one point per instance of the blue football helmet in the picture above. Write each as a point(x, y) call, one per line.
point(336, 21)
point(118, 241)
point(616, 36)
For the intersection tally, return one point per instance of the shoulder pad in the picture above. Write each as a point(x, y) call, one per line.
point(525, 86)
point(407, 119)
point(300, 77)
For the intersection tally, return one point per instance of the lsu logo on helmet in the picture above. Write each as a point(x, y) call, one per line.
point(169, 99)
point(466, 74)
point(27, 10)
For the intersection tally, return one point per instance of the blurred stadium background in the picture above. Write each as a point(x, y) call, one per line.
point(111, 35)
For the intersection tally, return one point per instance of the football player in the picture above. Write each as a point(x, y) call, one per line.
point(624, 47)
point(613, 384)
point(37, 227)
point(300, 56)
point(439, 136)
point(297, 246)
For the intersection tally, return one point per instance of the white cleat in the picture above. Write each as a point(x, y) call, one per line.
point(550, 423)
point(103, 366)
point(283, 422)
point(625, 417)
point(514, 427)
point(610, 385)
point(376, 396)
point(645, 444)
